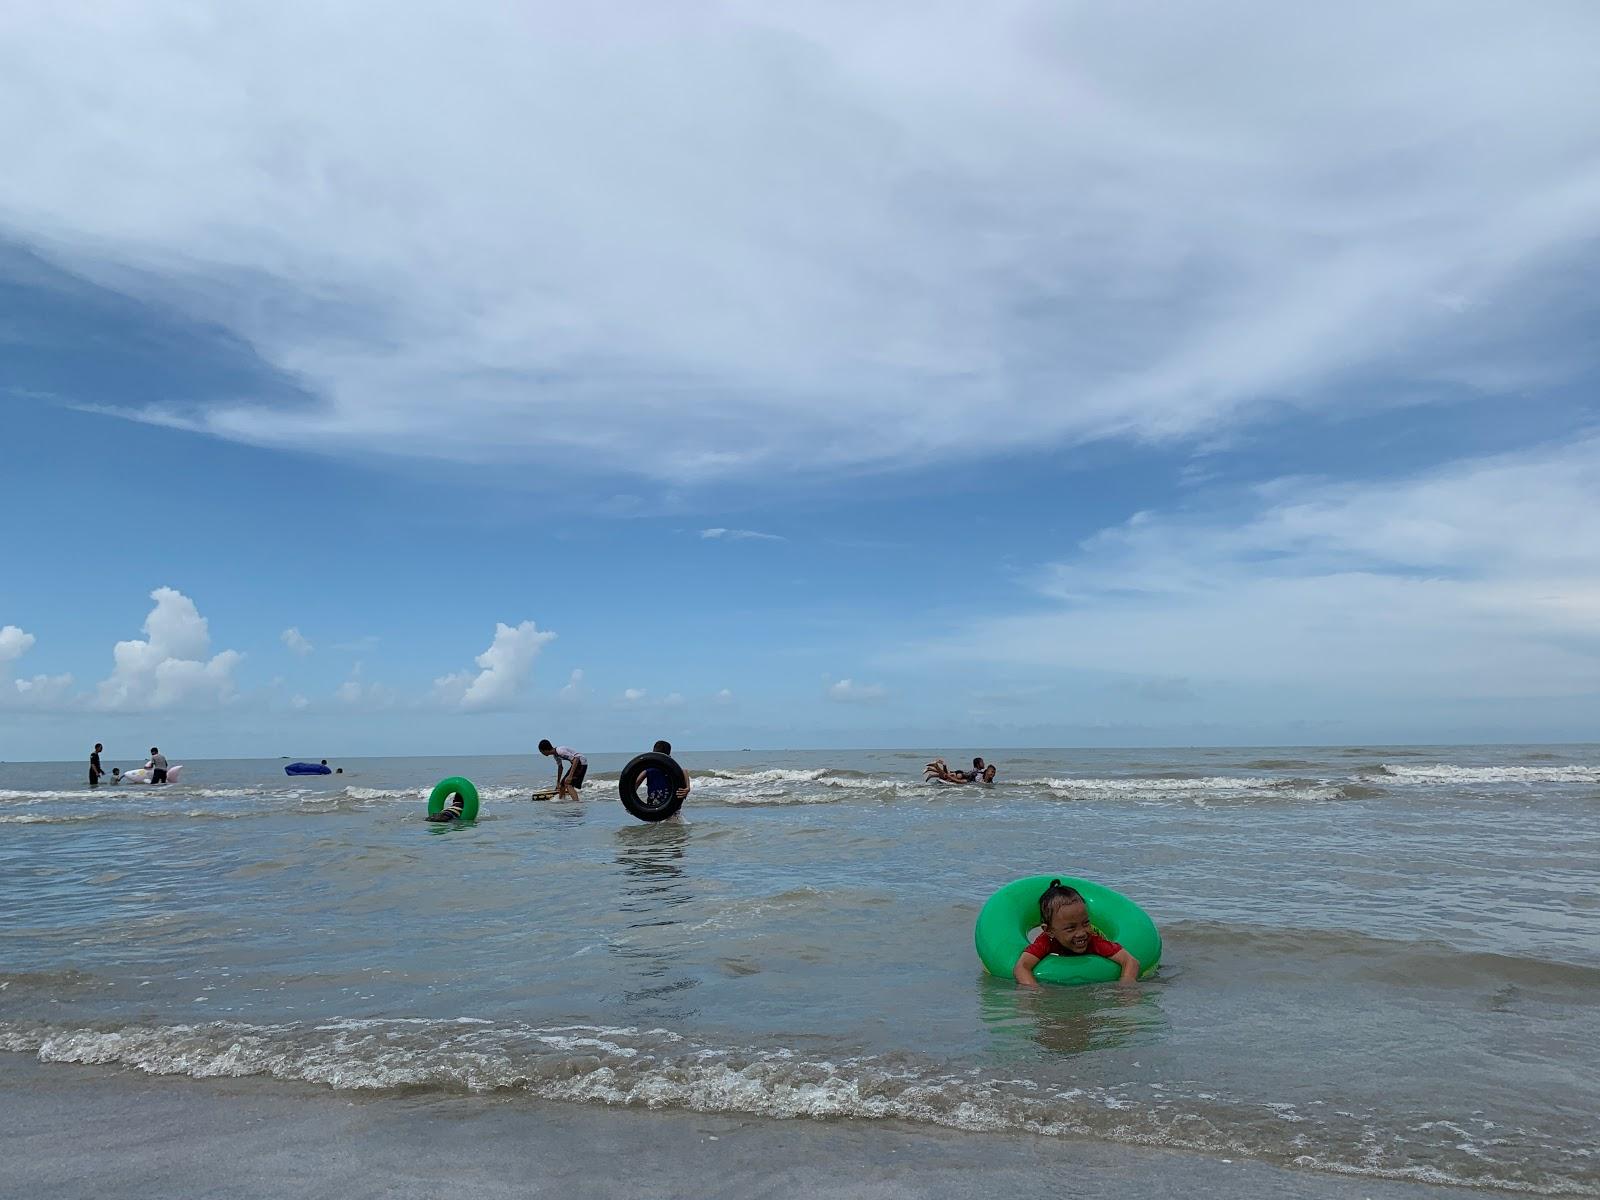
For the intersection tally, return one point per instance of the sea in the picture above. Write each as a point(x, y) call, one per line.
point(1379, 961)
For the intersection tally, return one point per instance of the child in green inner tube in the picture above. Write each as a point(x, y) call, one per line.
point(1064, 929)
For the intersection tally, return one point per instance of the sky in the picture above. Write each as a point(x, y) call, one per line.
point(379, 380)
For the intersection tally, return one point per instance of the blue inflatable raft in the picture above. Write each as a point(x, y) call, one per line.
point(308, 769)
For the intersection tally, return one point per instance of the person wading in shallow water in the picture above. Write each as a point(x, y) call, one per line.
point(95, 773)
point(569, 780)
point(157, 765)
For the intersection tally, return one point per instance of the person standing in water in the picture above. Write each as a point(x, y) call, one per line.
point(94, 765)
point(657, 786)
point(157, 765)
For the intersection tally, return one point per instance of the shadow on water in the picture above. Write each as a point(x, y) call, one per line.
point(1068, 1020)
point(654, 887)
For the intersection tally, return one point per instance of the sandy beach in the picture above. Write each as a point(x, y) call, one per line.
point(76, 1131)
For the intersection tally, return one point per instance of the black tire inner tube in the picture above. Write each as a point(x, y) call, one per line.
point(652, 808)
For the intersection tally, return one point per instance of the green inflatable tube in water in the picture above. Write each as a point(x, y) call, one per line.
point(454, 786)
point(1001, 933)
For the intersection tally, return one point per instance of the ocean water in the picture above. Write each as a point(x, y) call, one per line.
point(1378, 960)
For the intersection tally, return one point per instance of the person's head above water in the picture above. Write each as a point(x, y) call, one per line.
point(545, 747)
point(324, 762)
point(98, 747)
point(977, 765)
point(1065, 916)
point(662, 747)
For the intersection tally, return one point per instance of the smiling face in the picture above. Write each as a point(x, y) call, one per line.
point(1069, 926)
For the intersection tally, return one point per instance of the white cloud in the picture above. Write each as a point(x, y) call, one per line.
point(45, 692)
point(296, 641)
point(673, 700)
point(299, 702)
point(573, 689)
point(738, 535)
point(369, 696)
point(170, 669)
point(506, 666)
point(39, 692)
point(633, 695)
point(14, 643)
point(725, 696)
point(848, 691)
point(981, 226)
point(1481, 579)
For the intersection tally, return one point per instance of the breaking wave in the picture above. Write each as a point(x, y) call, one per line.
point(658, 1068)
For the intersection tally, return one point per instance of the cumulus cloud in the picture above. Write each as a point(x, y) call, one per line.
point(738, 535)
point(169, 668)
point(14, 643)
point(1479, 579)
point(848, 691)
point(505, 668)
point(573, 689)
point(39, 692)
point(633, 695)
point(296, 641)
point(982, 226)
point(725, 696)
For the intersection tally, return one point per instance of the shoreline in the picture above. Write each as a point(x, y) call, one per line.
point(83, 1130)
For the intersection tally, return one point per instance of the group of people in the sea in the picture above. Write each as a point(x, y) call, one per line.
point(156, 764)
point(981, 772)
point(1064, 923)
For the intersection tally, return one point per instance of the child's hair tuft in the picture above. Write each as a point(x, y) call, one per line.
point(1054, 896)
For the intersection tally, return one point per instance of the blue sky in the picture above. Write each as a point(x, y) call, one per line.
point(1045, 375)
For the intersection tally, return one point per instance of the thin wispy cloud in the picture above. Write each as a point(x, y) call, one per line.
point(981, 228)
point(738, 535)
point(1480, 579)
point(848, 691)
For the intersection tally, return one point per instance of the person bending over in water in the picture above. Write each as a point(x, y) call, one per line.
point(157, 765)
point(1064, 929)
point(657, 786)
point(571, 768)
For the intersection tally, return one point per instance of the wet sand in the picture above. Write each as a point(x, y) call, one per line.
point(84, 1131)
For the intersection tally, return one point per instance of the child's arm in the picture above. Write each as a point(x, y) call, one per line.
point(1129, 965)
point(1023, 971)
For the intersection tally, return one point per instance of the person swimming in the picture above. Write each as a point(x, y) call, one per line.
point(940, 770)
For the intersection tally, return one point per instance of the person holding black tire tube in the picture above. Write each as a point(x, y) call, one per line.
point(663, 794)
point(658, 788)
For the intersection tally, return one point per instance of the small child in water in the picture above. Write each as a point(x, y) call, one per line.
point(1064, 929)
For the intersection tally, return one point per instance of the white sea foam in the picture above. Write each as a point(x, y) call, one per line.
point(1199, 791)
point(657, 1068)
point(1468, 776)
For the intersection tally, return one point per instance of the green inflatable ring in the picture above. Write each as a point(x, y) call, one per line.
point(1001, 933)
point(454, 786)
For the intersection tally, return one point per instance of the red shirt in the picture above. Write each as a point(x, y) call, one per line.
point(1044, 945)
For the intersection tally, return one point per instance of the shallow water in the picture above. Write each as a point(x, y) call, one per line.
point(1377, 960)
